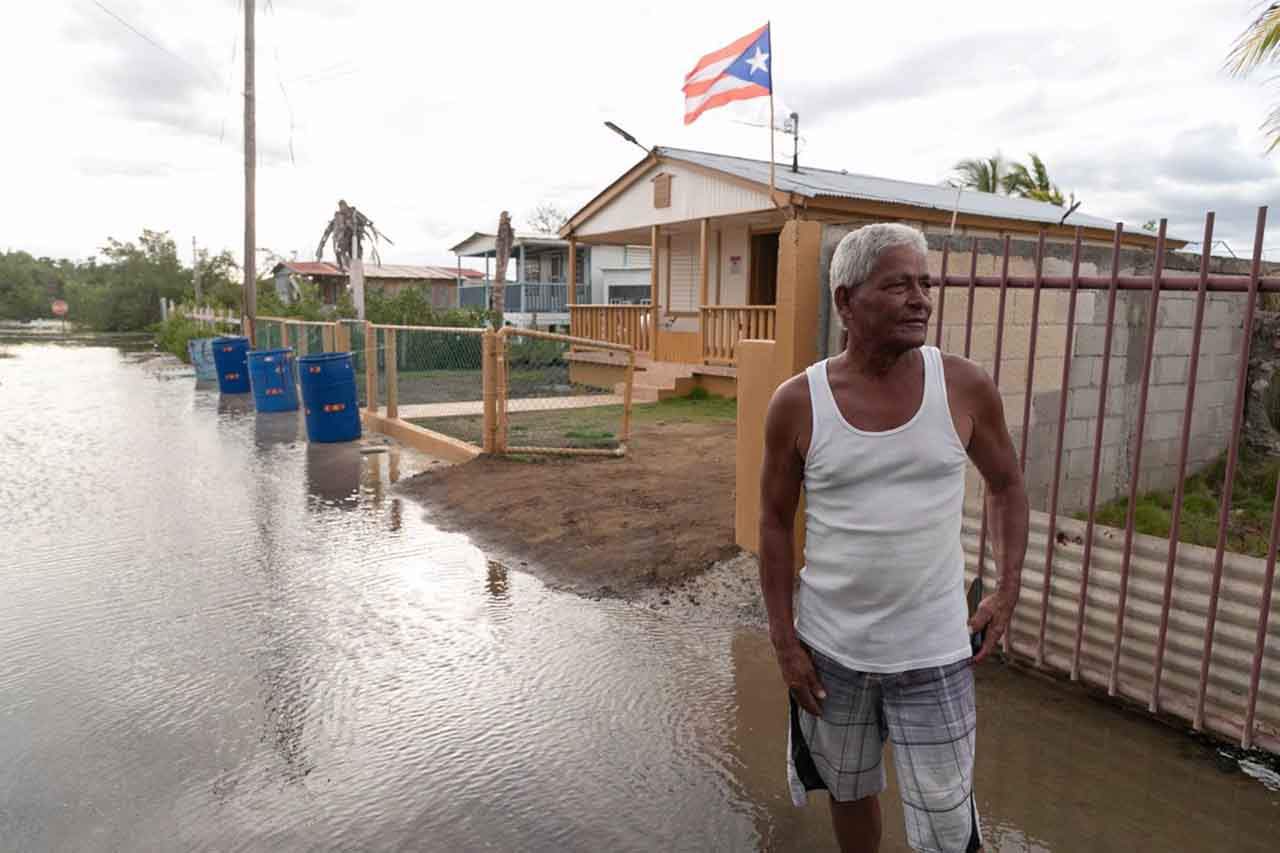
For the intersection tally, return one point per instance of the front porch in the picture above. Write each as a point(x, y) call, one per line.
point(712, 283)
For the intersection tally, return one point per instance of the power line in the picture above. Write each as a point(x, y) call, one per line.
point(157, 45)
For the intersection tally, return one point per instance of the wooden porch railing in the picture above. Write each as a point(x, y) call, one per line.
point(724, 325)
point(617, 324)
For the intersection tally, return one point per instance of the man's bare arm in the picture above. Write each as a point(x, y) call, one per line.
point(781, 477)
point(1008, 513)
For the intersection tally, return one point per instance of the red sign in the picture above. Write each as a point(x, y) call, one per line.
point(59, 308)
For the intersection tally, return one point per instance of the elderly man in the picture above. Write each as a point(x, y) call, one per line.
point(875, 644)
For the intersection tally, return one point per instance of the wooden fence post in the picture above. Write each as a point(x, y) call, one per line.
point(393, 368)
point(342, 337)
point(500, 387)
point(371, 368)
point(626, 397)
point(327, 337)
point(489, 422)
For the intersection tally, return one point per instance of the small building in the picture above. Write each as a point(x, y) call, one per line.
point(712, 224)
point(439, 283)
point(539, 294)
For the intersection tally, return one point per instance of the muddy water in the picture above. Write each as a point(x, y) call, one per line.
point(215, 637)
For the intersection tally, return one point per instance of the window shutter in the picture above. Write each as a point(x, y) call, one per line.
point(662, 191)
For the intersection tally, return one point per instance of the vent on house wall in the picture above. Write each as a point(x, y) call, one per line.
point(662, 190)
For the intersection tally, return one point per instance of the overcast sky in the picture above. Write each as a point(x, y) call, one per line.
point(432, 117)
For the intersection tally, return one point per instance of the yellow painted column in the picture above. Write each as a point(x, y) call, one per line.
point(799, 289)
point(653, 292)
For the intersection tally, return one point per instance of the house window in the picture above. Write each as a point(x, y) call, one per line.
point(557, 267)
point(662, 190)
point(635, 257)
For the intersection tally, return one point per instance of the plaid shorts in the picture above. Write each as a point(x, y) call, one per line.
point(930, 716)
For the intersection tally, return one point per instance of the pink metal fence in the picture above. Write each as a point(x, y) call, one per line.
point(1249, 287)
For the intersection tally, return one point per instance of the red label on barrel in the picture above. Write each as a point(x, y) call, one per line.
point(334, 407)
point(230, 376)
point(315, 369)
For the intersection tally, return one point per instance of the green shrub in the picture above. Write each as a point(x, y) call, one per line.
point(172, 335)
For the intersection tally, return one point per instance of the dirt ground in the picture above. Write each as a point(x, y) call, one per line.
point(599, 526)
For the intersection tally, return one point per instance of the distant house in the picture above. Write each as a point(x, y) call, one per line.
point(440, 283)
point(538, 294)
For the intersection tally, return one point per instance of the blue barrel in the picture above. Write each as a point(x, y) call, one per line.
point(272, 378)
point(329, 397)
point(233, 368)
point(201, 352)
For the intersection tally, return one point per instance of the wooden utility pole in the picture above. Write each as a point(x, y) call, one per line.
point(502, 248)
point(250, 162)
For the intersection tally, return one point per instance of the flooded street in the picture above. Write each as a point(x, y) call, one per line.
point(214, 636)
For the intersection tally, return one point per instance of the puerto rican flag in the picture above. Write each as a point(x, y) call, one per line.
point(733, 73)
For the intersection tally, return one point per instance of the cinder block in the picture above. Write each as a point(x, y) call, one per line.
point(1052, 340)
point(1220, 312)
point(1162, 426)
point(1084, 402)
point(1176, 311)
point(1167, 398)
point(1117, 401)
point(1079, 433)
point(1089, 340)
point(1173, 341)
point(1079, 464)
point(1049, 374)
point(1170, 369)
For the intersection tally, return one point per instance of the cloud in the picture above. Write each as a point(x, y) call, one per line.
point(1212, 155)
point(970, 61)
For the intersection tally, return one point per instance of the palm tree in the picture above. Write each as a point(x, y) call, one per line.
point(985, 174)
point(1259, 45)
point(1032, 183)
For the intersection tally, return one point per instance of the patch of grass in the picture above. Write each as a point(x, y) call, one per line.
point(593, 427)
point(1248, 525)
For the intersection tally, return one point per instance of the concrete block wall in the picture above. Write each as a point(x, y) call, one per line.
point(1221, 341)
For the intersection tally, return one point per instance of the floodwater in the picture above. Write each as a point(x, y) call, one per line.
point(215, 637)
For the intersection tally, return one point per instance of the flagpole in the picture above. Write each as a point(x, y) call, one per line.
point(772, 67)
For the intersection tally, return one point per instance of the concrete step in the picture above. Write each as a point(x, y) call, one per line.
point(659, 381)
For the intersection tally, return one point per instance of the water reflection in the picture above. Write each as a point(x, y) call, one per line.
point(235, 404)
point(271, 429)
point(238, 641)
point(496, 582)
point(334, 474)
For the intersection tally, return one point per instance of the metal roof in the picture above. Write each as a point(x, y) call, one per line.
point(389, 271)
point(486, 243)
point(819, 183)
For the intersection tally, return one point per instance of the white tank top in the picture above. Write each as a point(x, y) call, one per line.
point(882, 589)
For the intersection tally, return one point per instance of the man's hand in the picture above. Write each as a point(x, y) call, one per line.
point(802, 679)
point(993, 613)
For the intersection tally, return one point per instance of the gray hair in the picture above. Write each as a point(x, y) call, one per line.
point(858, 251)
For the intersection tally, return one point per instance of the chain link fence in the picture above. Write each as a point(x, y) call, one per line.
point(545, 408)
point(439, 377)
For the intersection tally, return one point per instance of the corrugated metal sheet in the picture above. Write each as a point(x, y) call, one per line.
point(1233, 635)
point(818, 183)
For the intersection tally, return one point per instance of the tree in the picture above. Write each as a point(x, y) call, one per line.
point(984, 174)
point(1032, 183)
point(547, 218)
point(1259, 45)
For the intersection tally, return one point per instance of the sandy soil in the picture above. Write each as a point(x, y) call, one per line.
point(639, 527)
